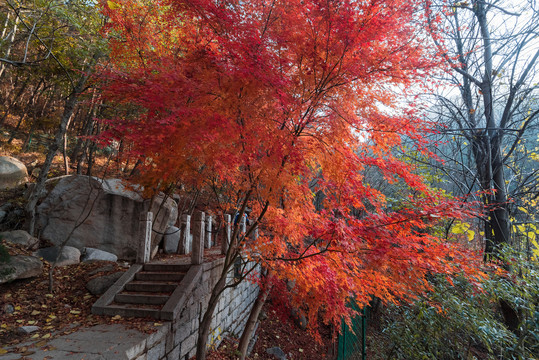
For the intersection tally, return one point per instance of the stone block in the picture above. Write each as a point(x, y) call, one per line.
point(169, 342)
point(174, 354)
point(141, 357)
point(182, 333)
point(189, 344)
point(158, 336)
point(157, 352)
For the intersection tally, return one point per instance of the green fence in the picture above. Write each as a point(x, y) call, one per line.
point(352, 341)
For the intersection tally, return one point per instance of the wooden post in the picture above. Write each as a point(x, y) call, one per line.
point(197, 256)
point(225, 241)
point(207, 239)
point(184, 247)
point(145, 237)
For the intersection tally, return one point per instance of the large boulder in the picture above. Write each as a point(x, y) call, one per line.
point(20, 267)
point(69, 256)
point(90, 254)
point(101, 284)
point(12, 172)
point(103, 214)
point(20, 237)
point(171, 240)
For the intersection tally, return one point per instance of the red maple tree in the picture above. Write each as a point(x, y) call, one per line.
point(269, 104)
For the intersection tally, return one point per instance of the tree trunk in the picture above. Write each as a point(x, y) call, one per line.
point(69, 108)
point(247, 334)
point(204, 326)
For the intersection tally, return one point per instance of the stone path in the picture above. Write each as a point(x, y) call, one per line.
point(101, 342)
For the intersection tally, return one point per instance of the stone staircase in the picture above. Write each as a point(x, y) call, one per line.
point(153, 290)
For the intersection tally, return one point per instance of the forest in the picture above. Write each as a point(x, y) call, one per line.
point(386, 152)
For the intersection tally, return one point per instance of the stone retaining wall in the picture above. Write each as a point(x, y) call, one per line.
point(176, 340)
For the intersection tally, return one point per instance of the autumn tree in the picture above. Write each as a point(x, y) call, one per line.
point(265, 104)
point(48, 52)
point(487, 105)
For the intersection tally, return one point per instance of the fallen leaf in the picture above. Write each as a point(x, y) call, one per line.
point(74, 312)
point(35, 312)
point(46, 336)
point(34, 336)
point(3, 351)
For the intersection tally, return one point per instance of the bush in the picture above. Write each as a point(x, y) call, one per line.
point(460, 322)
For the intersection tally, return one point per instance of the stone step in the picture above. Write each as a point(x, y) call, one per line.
point(144, 286)
point(141, 299)
point(159, 276)
point(166, 267)
point(127, 310)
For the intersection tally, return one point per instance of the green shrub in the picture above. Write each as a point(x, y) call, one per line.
point(460, 322)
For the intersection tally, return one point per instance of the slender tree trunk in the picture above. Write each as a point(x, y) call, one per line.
point(64, 147)
point(69, 108)
point(498, 213)
point(10, 44)
point(247, 334)
point(204, 326)
point(13, 101)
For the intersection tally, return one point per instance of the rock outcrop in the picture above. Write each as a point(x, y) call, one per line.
point(12, 172)
point(103, 214)
point(91, 254)
point(69, 256)
point(20, 237)
point(20, 267)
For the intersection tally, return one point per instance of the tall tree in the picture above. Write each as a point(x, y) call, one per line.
point(56, 45)
point(492, 54)
point(265, 104)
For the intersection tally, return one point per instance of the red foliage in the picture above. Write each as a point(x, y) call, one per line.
point(268, 103)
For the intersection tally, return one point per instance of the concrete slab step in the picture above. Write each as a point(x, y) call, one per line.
point(166, 267)
point(144, 286)
point(159, 276)
point(131, 311)
point(141, 299)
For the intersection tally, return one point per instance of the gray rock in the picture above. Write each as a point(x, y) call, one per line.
point(69, 255)
point(2, 215)
point(12, 172)
point(8, 309)
point(28, 329)
point(299, 319)
point(99, 285)
point(6, 206)
point(105, 268)
point(20, 267)
point(45, 191)
point(20, 237)
point(110, 212)
point(91, 254)
point(277, 352)
point(171, 240)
